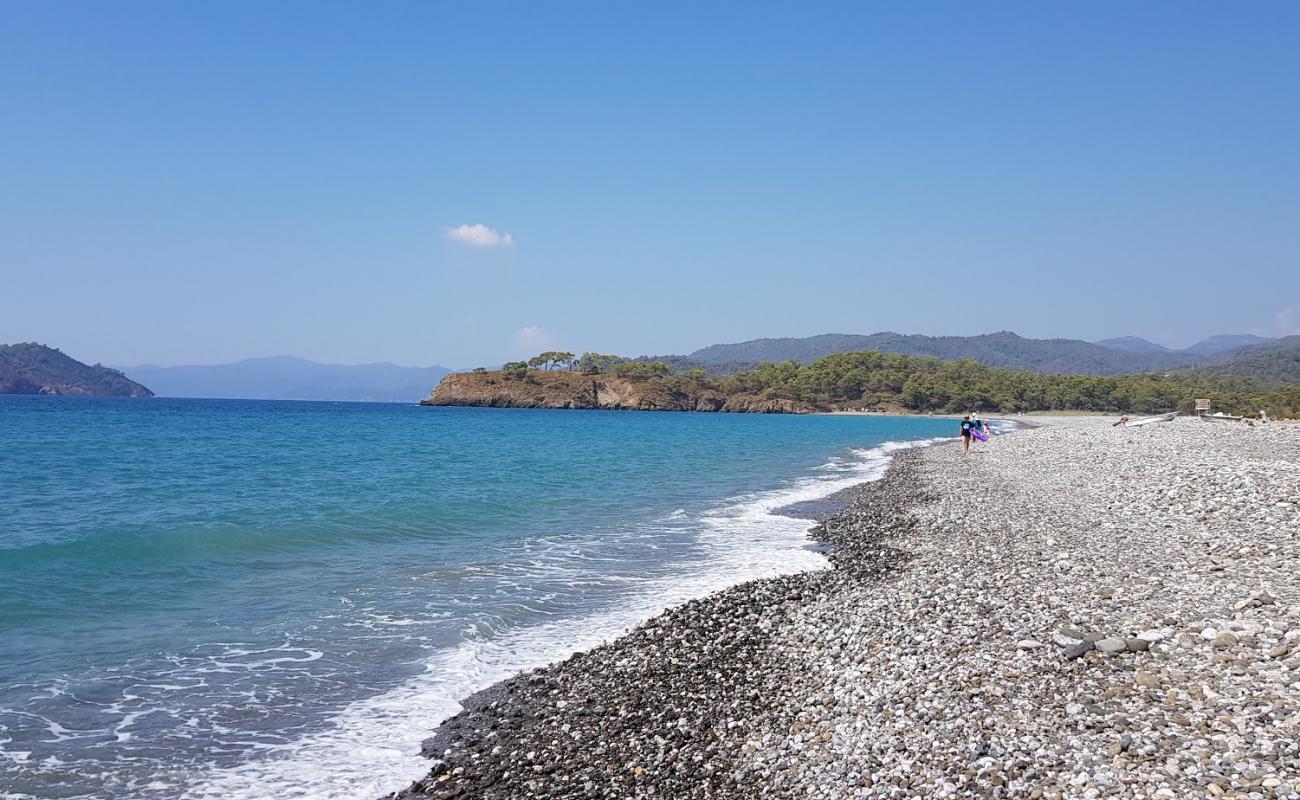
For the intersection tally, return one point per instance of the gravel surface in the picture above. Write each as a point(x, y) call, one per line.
point(1073, 610)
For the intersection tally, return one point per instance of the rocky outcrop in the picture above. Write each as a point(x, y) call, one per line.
point(574, 390)
point(30, 368)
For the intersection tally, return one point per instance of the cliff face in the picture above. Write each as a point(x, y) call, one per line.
point(573, 390)
point(31, 368)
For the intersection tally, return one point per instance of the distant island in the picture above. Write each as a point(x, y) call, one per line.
point(291, 378)
point(865, 380)
point(31, 368)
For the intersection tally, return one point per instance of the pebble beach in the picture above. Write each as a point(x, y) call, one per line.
point(1073, 610)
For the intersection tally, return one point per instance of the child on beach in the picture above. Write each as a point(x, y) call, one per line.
point(966, 425)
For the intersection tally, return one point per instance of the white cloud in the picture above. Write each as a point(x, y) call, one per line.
point(533, 339)
point(480, 236)
point(1287, 321)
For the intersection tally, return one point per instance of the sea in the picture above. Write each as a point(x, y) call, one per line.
point(254, 599)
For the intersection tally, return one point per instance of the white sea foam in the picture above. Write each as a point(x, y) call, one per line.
point(371, 747)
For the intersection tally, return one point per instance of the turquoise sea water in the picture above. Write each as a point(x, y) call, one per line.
point(242, 599)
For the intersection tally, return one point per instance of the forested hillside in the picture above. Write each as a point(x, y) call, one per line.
point(927, 384)
point(1226, 342)
point(1002, 349)
point(1274, 361)
point(870, 380)
point(1241, 355)
point(30, 368)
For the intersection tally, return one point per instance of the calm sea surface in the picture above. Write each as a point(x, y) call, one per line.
point(244, 599)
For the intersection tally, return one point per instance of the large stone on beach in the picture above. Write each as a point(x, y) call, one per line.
point(1111, 645)
point(1146, 679)
point(1225, 639)
point(1156, 634)
point(1060, 639)
point(1077, 650)
point(1262, 599)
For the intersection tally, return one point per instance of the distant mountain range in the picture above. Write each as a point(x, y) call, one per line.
point(1226, 342)
point(1273, 360)
point(1133, 344)
point(292, 378)
point(31, 368)
point(1003, 349)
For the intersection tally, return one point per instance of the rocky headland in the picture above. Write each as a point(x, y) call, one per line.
point(562, 389)
point(30, 368)
point(1070, 611)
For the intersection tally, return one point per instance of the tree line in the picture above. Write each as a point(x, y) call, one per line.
point(922, 383)
point(925, 383)
point(587, 364)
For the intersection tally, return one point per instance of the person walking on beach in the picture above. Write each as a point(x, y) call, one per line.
point(966, 425)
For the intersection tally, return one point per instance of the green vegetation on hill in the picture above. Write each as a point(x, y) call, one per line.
point(1002, 349)
point(1119, 356)
point(1274, 361)
point(922, 383)
point(928, 384)
point(1226, 342)
point(593, 364)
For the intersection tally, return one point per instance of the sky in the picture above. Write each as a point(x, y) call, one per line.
point(464, 183)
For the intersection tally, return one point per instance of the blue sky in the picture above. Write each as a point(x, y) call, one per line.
point(191, 183)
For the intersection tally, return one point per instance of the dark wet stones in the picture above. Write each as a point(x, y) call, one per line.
point(667, 709)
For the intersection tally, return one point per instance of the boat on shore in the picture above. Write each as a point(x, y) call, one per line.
point(1133, 423)
point(1219, 417)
